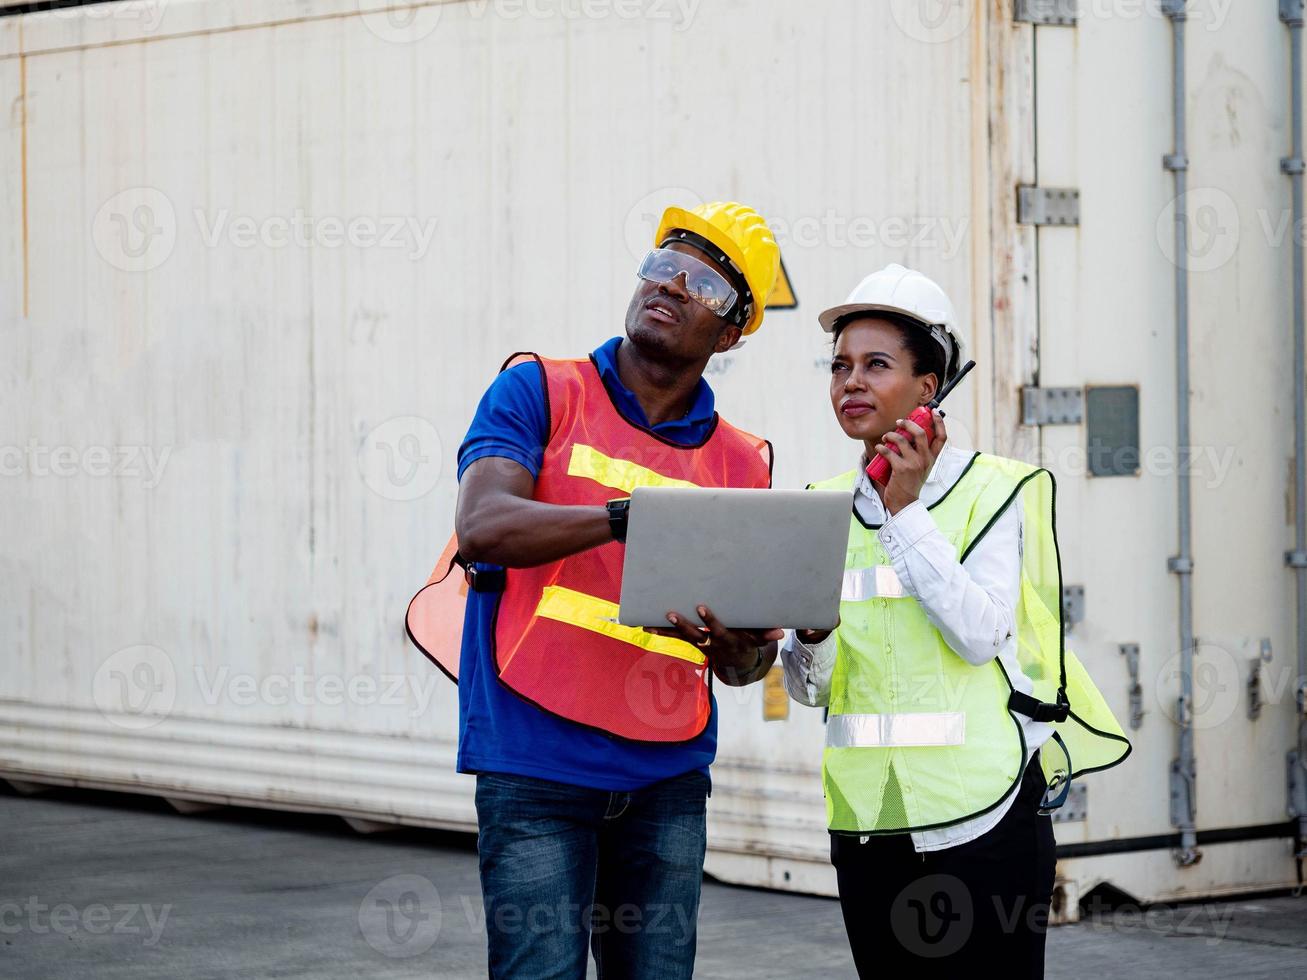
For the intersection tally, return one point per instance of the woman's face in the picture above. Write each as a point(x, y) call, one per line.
point(871, 381)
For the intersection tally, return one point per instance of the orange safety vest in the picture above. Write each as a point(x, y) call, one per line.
point(556, 640)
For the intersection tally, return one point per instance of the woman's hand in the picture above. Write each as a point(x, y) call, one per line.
point(909, 470)
point(810, 638)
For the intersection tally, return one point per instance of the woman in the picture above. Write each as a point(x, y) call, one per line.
point(946, 676)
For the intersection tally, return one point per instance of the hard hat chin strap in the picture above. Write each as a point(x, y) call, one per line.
point(744, 296)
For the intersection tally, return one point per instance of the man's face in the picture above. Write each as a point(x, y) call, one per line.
point(665, 318)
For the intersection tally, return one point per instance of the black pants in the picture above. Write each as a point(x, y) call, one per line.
point(982, 905)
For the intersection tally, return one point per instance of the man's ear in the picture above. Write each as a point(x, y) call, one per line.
point(727, 339)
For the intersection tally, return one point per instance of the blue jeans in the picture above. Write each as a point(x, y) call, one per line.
point(563, 864)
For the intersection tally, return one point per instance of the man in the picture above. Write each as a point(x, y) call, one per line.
point(591, 741)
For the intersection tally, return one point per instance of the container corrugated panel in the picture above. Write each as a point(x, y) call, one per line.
point(261, 259)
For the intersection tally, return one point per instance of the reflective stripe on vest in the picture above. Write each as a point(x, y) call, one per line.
point(620, 474)
point(600, 616)
point(917, 737)
point(878, 731)
point(861, 584)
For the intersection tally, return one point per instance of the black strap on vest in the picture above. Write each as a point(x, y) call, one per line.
point(1039, 710)
point(481, 579)
point(1057, 791)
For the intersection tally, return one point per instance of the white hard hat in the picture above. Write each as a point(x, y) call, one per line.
point(895, 289)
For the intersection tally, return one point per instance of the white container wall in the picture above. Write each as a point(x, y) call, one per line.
point(258, 261)
point(1107, 317)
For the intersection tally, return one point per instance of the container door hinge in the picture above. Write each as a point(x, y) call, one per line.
point(1297, 785)
point(1056, 206)
point(1052, 406)
point(1046, 13)
point(1131, 653)
point(1255, 701)
point(1073, 605)
point(1076, 807)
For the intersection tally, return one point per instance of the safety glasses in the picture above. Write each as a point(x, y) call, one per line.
point(1059, 787)
point(702, 281)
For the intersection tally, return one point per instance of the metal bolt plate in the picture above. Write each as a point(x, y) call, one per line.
point(1073, 605)
point(1054, 13)
point(1048, 205)
point(1051, 406)
point(1076, 807)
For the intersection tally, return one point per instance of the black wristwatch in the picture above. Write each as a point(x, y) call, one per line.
point(619, 512)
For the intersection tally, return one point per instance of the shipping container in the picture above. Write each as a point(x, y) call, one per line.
point(260, 258)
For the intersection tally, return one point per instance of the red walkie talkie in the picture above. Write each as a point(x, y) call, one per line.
point(879, 469)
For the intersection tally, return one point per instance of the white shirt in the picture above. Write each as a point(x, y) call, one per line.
point(972, 605)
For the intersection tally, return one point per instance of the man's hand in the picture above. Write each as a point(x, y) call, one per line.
point(737, 656)
point(909, 470)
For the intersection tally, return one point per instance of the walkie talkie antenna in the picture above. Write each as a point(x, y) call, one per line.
point(939, 397)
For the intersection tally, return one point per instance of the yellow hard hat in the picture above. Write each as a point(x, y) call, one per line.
point(742, 240)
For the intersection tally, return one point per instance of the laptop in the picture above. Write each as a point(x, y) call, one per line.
point(756, 558)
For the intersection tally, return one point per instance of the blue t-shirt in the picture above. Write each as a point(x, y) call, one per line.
point(499, 731)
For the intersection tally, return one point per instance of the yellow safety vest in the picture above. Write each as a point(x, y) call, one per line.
point(917, 737)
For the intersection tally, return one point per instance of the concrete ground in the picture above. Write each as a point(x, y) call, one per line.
point(109, 886)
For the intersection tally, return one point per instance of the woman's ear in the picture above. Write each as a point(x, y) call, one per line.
point(929, 385)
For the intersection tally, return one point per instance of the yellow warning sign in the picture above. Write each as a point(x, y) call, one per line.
point(782, 294)
point(775, 700)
